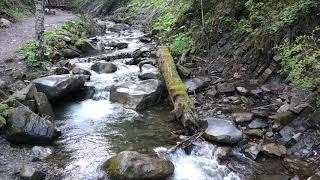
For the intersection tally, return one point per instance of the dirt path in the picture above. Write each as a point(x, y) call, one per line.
point(13, 38)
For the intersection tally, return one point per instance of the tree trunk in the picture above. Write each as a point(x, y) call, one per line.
point(183, 105)
point(39, 28)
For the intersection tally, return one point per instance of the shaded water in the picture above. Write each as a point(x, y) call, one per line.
point(95, 129)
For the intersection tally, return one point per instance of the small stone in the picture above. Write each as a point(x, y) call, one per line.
point(253, 150)
point(40, 153)
point(196, 84)
point(256, 92)
point(61, 70)
point(30, 173)
point(241, 117)
point(222, 153)
point(257, 123)
point(283, 108)
point(5, 22)
point(254, 132)
point(242, 90)
point(274, 149)
point(211, 92)
point(3, 122)
point(226, 88)
point(269, 134)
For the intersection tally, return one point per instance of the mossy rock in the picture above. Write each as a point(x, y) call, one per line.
point(131, 165)
point(69, 53)
point(283, 118)
point(85, 46)
point(184, 72)
point(3, 122)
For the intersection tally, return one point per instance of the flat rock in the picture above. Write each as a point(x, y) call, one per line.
point(274, 149)
point(300, 100)
point(226, 88)
point(132, 165)
point(57, 86)
point(148, 71)
point(222, 130)
point(254, 132)
point(137, 95)
point(26, 127)
point(196, 84)
point(242, 90)
point(258, 123)
point(252, 150)
point(241, 117)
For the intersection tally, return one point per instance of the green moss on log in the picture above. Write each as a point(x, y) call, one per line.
point(183, 105)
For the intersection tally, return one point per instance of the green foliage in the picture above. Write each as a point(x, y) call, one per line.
point(54, 40)
point(13, 9)
point(301, 60)
point(180, 42)
point(5, 110)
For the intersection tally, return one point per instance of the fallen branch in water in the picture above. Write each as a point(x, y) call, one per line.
point(187, 142)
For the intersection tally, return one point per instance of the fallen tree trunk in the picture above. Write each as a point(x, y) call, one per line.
point(183, 105)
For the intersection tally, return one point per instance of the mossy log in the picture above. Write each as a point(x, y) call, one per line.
point(183, 105)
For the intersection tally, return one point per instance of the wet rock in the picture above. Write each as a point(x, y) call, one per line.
point(212, 92)
point(29, 173)
point(196, 84)
point(252, 150)
point(43, 104)
point(242, 90)
point(222, 153)
point(120, 45)
point(133, 165)
point(241, 117)
point(283, 118)
point(26, 127)
point(222, 130)
point(25, 94)
point(137, 95)
point(79, 71)
point(18, 85)
point(6, 23)
point(254, 132)
point(85, 46)
point(226, 88)
point(40, 153)
point(70, 53)
point(102, 68)
point(61, 70)
point(183, 72)
point(145, 39)
point(137, 53)
point(300, 100)
point(3, 122)
point(65, 63)
point(274, 149)
point(150, 61)
point(117, 28)
point(149, 72)
point(257, 124)
point(57, 86)
point(315, 177)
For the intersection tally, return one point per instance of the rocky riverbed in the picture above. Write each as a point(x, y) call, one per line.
point(113, 104)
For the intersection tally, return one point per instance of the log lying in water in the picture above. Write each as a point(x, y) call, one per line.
point(183, 105)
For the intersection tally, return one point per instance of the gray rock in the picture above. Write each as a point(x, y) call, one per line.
point(137, 95)
point(183, 72)
point(43, 105)
point(274, 149)
point(26, 127)
point(212, 92)
point(148, 71)
point(57, 86)
point(70, 53)
point(196, 84)
point(85, 47)
point(26, 93)
point(3, 122)
point(102, 68)
point(5, 22)
point(257, 123)
point(132, 165)
point(300, 100)
point(18, 85)
point(29, 173)
point(145, 39)
point(80, 71)
point(121, 45)
point(144, 61)
point(222, 130)
point(256, 92)
point(226, 88)
point(222, 153)
point(40, 153)
point(241, 117)
point(254, 132)
point(252, 150)
point(283, 108)
point(242, 90)
point(61, 70)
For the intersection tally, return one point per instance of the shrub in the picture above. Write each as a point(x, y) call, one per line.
point(181, 42)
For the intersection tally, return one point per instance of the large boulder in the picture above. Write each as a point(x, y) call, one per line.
point(149, 72)
point(132, 165)
point(103, 68)
point(57, 86)
point(26, 127)
point(85, 46)
point(222, 131)
point(43, 105)
point(137, 95)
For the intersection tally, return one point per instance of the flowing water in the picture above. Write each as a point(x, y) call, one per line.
point(94, 128)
